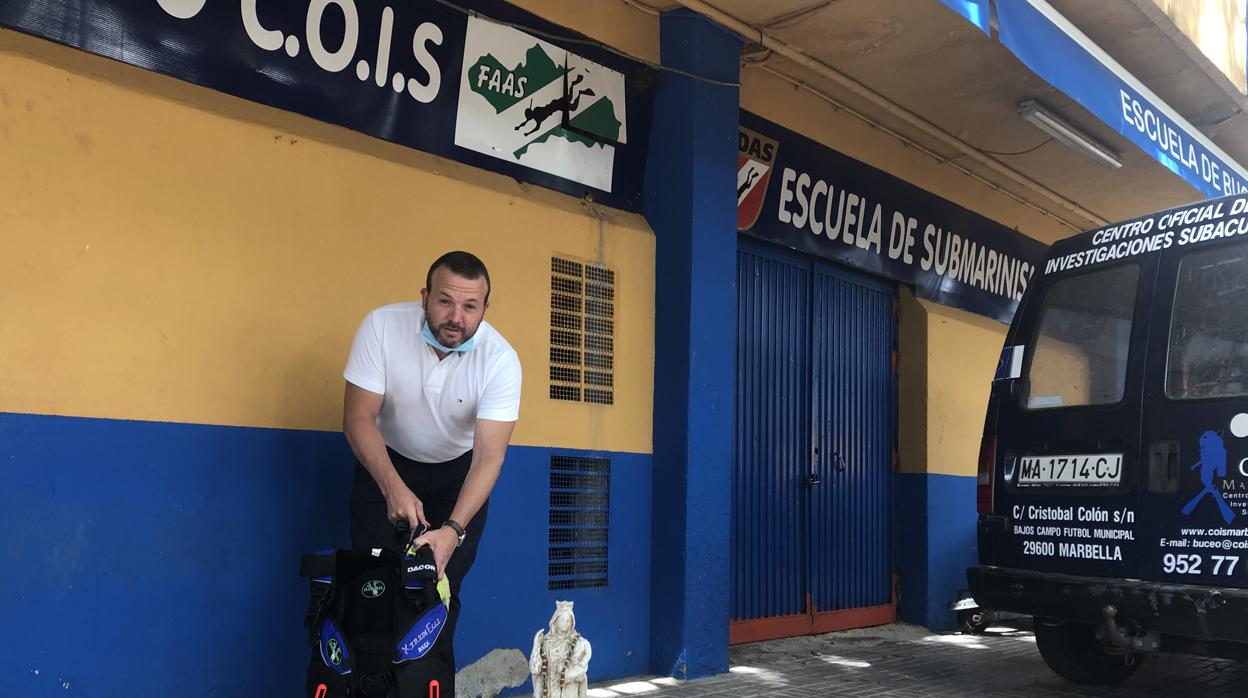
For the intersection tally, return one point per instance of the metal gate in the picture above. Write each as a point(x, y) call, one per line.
point(815, 443)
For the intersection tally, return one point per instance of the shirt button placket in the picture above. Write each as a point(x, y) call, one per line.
point(437, 377)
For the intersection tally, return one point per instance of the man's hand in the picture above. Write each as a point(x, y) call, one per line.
point(443, 542)
point(402, 504)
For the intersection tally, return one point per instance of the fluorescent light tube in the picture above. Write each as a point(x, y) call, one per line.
point(1068, 133)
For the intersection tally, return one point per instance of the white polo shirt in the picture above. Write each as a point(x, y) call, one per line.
point(430, 407)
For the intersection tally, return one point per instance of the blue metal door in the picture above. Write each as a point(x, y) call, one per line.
point(772, 455)
point(816, 416)
point(853, 419)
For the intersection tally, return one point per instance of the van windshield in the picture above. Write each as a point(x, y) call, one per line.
point(1079, 355)
point(1208, 354)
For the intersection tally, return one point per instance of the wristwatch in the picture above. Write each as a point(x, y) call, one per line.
point(459, 530)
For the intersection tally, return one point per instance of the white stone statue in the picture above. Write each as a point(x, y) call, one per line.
point(559, 661)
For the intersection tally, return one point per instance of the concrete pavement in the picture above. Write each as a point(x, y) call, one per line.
point(905, 660)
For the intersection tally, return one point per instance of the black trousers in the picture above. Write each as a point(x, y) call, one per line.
point(437, 485)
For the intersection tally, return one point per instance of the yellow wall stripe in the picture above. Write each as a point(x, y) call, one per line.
point(947, 360)
point(170, 253)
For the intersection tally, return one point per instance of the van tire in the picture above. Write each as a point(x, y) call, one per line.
point(1072, 651)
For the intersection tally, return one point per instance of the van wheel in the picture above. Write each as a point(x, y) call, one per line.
point(1072, 651)
point(973, 621)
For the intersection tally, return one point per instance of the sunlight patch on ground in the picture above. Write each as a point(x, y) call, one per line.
point(765, 675)
point(967, 641)
point(843, 661)
point(634, 688)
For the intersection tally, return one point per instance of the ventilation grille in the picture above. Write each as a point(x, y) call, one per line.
point(582, 332)
point(580, 494)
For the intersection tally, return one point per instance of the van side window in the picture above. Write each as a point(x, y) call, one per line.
point(1079, 356)
point(1209, 328)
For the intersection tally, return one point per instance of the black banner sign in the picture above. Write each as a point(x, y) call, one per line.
point(802, 194)
point(501, 89)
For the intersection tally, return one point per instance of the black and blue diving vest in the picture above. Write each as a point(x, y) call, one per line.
point(374, 620)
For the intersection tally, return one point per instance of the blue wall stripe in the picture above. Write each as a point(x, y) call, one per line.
point(935, 531)
point(148, 558)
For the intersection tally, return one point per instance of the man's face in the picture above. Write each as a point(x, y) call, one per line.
point(454, 306)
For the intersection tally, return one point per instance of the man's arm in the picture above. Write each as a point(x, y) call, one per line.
point(489, 445)
point(359, 422)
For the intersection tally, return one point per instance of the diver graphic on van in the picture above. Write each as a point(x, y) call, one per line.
point(1212, 462)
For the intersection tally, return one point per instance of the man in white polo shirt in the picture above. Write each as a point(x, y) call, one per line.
point(432, 395)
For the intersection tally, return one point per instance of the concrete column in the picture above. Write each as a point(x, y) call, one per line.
point(690, 202)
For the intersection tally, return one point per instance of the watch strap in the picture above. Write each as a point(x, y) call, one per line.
point(459, 530)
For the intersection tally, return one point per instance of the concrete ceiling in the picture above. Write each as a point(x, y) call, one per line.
point(926, 59)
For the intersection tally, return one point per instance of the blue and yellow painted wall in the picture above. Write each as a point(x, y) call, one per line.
point(947, 358)
point(181, 273)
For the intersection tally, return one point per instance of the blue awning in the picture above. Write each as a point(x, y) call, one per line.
point(976, 12)
point(1054, 49)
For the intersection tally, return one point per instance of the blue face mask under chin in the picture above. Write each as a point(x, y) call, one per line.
point(427, 335)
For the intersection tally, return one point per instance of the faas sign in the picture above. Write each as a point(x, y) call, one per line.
point(526, 101)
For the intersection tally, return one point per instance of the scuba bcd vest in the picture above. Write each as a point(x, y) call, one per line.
point(374, 619)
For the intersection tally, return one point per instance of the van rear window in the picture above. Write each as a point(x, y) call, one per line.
point(1079, 356)
point(1208, 354)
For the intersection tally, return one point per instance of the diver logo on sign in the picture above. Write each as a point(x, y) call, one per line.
point(756, 155)
point(530, 102)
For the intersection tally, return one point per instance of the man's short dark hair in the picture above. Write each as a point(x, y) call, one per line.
point(465, 264)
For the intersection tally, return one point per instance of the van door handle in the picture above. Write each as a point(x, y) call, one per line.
point(1163, 466)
